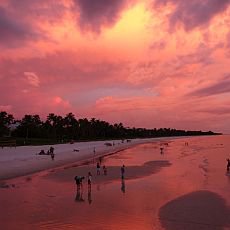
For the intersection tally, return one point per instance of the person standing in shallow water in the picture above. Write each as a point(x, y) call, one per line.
point(89, 180)
point(228, 165)
point(123, 171)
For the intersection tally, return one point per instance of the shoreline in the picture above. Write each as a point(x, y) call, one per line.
point(31, 164)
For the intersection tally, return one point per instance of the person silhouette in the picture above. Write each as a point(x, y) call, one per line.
point(123, 171)
point(89, 180)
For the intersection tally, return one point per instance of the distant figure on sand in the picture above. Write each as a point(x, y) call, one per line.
point(105, 170)
point(42, 152)
point(123, 171)
point(228, 164)
point(89, 180)
point(98, 169)
point(94, 153)
point(161, 148)
point(51, 150)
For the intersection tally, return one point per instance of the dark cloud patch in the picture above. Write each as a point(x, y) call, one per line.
point(20, 20)
point(12, 31)
point(220, 87)
point(93, 15)
point(193, 13)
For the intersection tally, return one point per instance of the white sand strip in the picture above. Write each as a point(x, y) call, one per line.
point(24, 160)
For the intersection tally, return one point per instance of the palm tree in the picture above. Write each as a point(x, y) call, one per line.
point(5, 121)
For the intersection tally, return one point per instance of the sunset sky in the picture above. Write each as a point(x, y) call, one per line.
point(145, 63)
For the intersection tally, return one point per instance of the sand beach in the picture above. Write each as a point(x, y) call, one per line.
point(186, 187)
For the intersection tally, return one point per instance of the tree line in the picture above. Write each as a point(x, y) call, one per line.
point(64, 129)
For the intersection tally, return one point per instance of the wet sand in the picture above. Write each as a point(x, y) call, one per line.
point(183, 188)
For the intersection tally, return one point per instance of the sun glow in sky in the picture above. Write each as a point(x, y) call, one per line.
point(148, 63)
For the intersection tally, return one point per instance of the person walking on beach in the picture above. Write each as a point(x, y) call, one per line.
point(89, 180)
point(98, 169)
point(228, 165)
point(123, 171)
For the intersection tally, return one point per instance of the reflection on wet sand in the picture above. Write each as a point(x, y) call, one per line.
point(154, 200)
point(131, 172)
point(123, 185)
point(89, 196)
point(79, 196)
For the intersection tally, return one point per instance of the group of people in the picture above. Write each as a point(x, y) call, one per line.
point(79, 179)
point(99, 169)
point(49, 152)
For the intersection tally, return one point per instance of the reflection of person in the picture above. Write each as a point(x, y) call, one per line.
point(79, 196)
point(123, 185)
point(228, 164)
point(89, 196)
point(52, 155)
point(98, 169)
point(105, 170)
point(122, 171)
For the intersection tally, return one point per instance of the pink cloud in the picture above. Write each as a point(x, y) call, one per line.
point(32, 78)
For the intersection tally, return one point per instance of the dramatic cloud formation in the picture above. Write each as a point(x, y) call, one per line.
point(194, 13)
point(12, 31)
point(95, 14)
point(147, 63)
point(217, 88)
